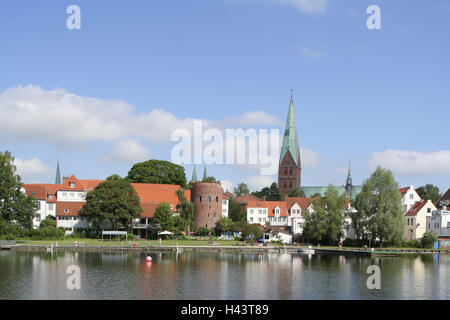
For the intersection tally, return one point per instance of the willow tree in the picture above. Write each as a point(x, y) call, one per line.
point(186, 210)
point(379, 213)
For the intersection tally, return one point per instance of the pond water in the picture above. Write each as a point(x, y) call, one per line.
point(214, 275)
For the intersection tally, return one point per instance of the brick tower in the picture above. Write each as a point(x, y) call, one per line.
point(289, 170)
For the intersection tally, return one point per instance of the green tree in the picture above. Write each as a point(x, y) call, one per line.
point(15, 207)
point(156, 171)
point(428, 239)
point(48, 222)
point(275, 193)
point(429, 192)
point(236, 212)
point(379, 208)
point(209, 179)
point(263, 194)
point(162, 219)
point(297, 192)
point(251, 232)
point(241, 190)
point(223, 225)
point(186, 210)
point(112, 204)
point(326, 222)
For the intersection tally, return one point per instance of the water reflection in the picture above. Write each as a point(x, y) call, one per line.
point(220, 275)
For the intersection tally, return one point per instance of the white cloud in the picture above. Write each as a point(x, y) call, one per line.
point(255, 118)
point(227, 186)
point(57, 116)
point(256, 183)
point(309, 53)
point(31, 168)
point(309, 158)
point(412, 163)
point(306, 6)
point(127, 150)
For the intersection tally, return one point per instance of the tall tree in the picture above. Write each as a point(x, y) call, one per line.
point(326, 222)
point(186, 210)
point(15, 207)
point(275, 193)
point(263, 194)
point(241, 190)
point(380, 214)
point(162, 219)
point(112, 204)
point(156, 171)
point(429, 192)
point(236, 212)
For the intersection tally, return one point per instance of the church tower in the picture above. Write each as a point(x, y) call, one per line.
point(289, 170)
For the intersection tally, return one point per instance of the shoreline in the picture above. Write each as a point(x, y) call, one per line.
point(242, 249)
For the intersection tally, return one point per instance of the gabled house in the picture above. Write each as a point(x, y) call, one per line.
point(415, 219)
point(409, 198)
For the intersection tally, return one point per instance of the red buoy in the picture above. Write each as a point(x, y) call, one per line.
point(148, 259)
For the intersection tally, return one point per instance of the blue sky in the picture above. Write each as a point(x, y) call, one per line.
point(108, 95)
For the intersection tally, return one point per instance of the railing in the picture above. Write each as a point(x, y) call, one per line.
point(5, 243)
point(140, 225)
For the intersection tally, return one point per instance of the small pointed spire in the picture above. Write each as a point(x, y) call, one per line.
point(58, 174)
point(205, 174)
point(194, 175)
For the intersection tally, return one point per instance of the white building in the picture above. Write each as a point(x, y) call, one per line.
point(409, 198)
point(296, 208)
point(439, 222)
point(257, 212)
point(225, 203)
point(415, 219)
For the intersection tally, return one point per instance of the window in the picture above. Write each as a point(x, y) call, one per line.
point(209, 198)
point(411, 196)
point(429, 210)
point(260, 211)
point(64, 194)
point(66, 210)
point(72, 195)
point(214, 214)
point(224, 202)
point(259, 219)
point(50, 206)
point(217, 199)
point(38, 205)
point(50, 196)
point(224, 210)
point(38, 217)
point(285, 170)
point(251, 219)
point(251, 211)
point(200, 198)
point(429, 226)
point(290, 171)
point(72, 185)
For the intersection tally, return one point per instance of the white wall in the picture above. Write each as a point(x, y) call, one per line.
point(257, 215)
point(71, 196)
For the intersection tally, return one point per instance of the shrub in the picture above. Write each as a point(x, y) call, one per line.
point(202, 231)
point(129, 236)
point(428, 239)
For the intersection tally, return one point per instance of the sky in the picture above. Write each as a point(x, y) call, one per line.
point(112, 93)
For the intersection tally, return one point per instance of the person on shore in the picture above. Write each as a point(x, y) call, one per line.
point(160, 241)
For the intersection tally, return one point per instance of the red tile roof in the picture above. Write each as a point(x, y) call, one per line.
point(77, 185)
point(304, 203)
point(403, 190)
point(416, 208)
point(246, 198)
point(72, 208)
point(445, 197)
point(38, 191)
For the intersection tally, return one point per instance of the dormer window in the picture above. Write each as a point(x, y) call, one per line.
point(66, 210)
point(72, 185)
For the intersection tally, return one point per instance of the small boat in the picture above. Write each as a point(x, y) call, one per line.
point(306, 250)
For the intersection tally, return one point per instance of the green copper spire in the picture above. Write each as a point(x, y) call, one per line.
point(349, 182)
point(194, 175)
point(58, 174)
point(205, 175)
point(290, 140)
